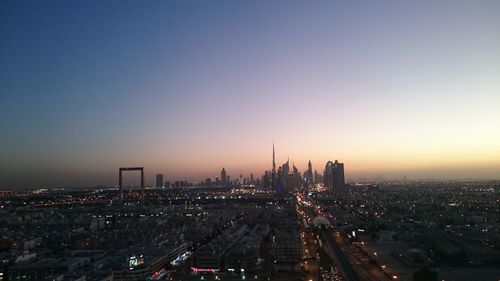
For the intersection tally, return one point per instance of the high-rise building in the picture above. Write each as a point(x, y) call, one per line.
point(294, 178)
point(251, 179)
point(282, 178)
point(223, 177)
point(288, 178)
point(159, 180)
point(308, 175)
point(267, 179)
point(317, 177)
point(274, 175)
point(334, 175)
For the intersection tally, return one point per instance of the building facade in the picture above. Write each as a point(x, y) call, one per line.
point(333, 177)
point(159, 180)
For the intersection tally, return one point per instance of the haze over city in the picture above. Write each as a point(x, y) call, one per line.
point(185, 88)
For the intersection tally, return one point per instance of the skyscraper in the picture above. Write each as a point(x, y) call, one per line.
point(282, 177)
point(294, 178)
point(334, 175)
point(308, 175)
point(317, 177)
point(273, 172)
point(159, 180)
point(223, 177)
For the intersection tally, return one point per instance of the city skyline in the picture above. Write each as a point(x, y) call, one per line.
point(151, 178)
point(185, 88)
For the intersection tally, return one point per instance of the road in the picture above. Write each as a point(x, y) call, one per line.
point(345, 265)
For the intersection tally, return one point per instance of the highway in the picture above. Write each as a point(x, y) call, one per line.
point(307, 212)
point(345, 265)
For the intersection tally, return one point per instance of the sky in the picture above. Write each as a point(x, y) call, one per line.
point(184, 88)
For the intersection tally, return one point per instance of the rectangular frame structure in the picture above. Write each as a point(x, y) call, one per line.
point(121, 180)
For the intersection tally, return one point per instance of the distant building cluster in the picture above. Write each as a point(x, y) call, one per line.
point(287, 178)
point(283, 178)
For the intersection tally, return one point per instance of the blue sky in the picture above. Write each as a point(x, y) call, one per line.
point(389, 88)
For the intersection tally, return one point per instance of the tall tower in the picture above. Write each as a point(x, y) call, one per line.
point(274, 161)
point(274, 182)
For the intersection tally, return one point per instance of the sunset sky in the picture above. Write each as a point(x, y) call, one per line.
point(184, 88)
